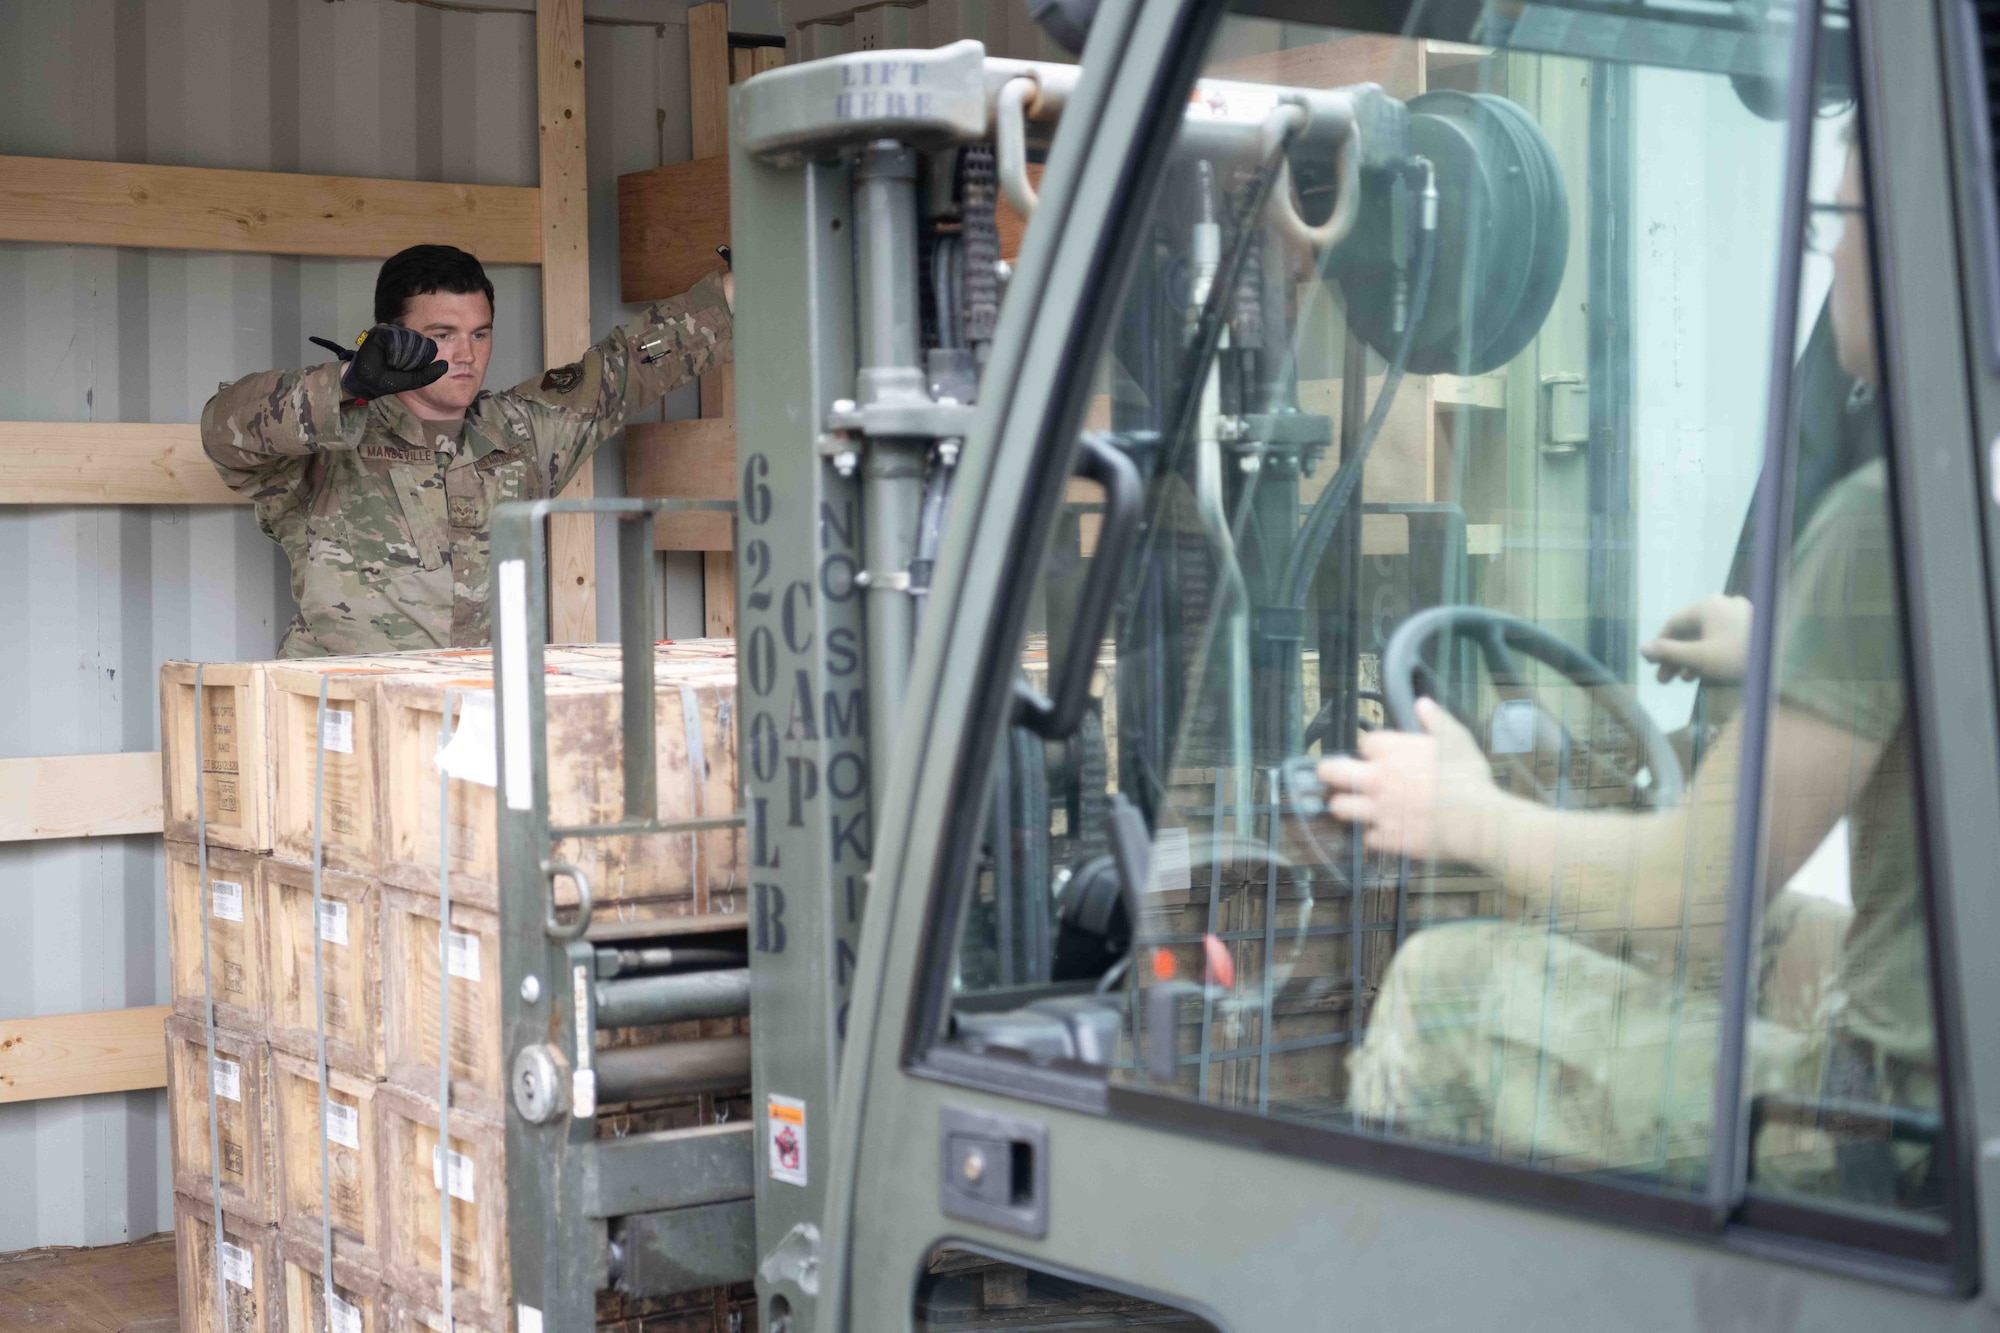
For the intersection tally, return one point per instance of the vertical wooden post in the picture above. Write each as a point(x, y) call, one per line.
point(565, 290)
point(710, 72)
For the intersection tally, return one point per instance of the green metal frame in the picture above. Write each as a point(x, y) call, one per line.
point(583, 1213)
point(1254, 1223)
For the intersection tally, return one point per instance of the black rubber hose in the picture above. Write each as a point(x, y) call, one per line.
point(1332, 503)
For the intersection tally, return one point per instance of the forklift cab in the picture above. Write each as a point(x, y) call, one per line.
point(1362, 354)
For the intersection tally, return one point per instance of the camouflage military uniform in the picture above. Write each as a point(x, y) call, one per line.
point(1533, 1046)
point(390, 536)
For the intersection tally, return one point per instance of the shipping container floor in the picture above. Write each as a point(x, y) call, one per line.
point(110, 1289)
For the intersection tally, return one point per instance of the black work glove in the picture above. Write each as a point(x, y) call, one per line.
point(390, 360)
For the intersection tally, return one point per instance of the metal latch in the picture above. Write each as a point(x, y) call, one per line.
point(1565, 412)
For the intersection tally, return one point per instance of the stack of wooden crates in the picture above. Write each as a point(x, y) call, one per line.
point(378, 937)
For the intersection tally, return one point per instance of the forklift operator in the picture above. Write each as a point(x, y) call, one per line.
point(1839, 749)
point(378, 474)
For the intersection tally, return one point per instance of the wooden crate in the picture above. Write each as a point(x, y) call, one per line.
point(351, 827)
point(631, 878)
point(352, 1155)
point(243, 1118)
point(356, 1286)
point(412, 718)
point(250, 1270)
point(235, 779)
point(419, 1312)
point(412, 1184)
point(237, 954)
point(351, 958)
point(410, 1000)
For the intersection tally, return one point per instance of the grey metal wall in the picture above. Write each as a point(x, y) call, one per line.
point(93, 599)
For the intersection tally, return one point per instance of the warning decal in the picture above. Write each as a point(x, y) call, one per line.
point(785, 1133)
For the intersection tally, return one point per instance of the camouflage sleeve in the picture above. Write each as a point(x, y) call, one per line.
point(259, 430)
point(579, 406)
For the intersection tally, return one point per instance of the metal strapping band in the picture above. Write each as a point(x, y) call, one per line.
point(319, 1002)
point(444, 1013)
point(208, 1009)
point(697, 778)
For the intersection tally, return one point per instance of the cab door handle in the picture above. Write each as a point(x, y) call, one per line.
point(994, 1170)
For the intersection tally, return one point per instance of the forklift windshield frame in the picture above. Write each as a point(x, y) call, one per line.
point(1923, 1256)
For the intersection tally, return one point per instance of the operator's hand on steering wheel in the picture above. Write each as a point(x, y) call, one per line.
point(1709, 640)
point(1429, 795)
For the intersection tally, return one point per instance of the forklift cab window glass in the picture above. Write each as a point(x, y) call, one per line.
point(1445, 369)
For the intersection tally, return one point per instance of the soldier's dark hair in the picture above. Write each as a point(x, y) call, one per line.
point(421, 270)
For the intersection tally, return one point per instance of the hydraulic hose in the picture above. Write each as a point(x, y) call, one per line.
point(1332, 503)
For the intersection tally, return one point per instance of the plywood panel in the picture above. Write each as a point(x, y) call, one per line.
point(693, 460)
point(70, 1055)
point(197, 208)
point(80, 796)
point(565, 196)
point(670, 219)
point(107, 462)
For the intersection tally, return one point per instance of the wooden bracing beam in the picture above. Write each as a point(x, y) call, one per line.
point(71, 1055)
point(107, 463)
point(565, 197)
point(68, 202)
point(80, 796)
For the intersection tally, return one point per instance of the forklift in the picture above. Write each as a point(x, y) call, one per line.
point(1570, 409)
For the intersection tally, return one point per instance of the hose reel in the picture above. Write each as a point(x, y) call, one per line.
point(1502, 240)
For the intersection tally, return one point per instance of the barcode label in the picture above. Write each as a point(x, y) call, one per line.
point(236, 1265)
point(228, 1079)
point(333, 923)
point(338, 731)
point(227, 895)
point(340, 1316)
point(462, 955)
point(343, 1125)
point(461, 1173)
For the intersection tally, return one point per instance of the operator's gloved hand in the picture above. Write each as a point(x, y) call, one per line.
point(390, 359)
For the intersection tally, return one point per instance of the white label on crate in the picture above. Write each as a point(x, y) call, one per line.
point(236, 1265)
point(333, 923)
point(228, 1079)
point(530, 1320)
point(1171, 859)
point(1513, 727)
point(470, 755)
point(513, 614)
point(227, 898)
point(462, 955)
point(785, 1133)
point(343, 1125)
point(338, 732)
point(340, 1316)
point(461, 1173)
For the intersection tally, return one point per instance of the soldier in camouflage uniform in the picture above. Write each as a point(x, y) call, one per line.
point(1526, 1040)
point(385, 507)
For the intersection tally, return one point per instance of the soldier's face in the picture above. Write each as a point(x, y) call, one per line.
point(461, 324)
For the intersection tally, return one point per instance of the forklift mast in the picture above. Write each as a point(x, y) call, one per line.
point(864, 197)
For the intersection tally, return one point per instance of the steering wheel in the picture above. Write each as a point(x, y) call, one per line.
point(1500, 636)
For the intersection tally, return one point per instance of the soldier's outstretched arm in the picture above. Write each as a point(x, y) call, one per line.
point(255, 429)
point(586, 402)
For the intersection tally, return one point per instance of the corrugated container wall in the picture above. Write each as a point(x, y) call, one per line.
point(414, 89)
point(99, 596)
